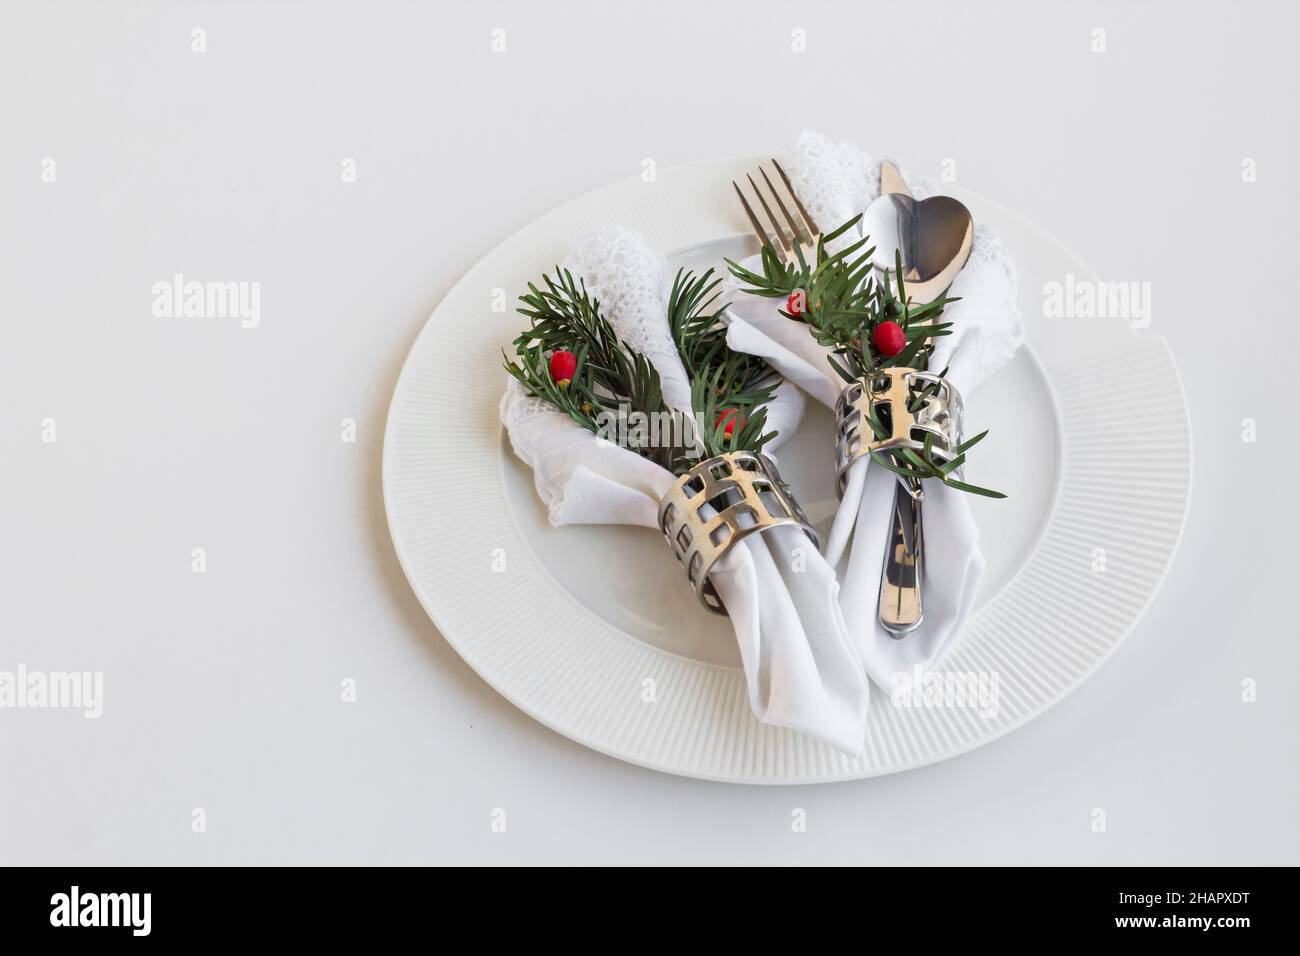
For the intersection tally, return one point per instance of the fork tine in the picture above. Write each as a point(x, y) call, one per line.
point(796, 228)
point(753, 220)
point(812, 224)
point(776, 223)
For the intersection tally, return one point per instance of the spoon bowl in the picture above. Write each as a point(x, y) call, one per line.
point(933, 236)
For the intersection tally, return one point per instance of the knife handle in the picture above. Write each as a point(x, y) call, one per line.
point(903, 573)
point(891, 180)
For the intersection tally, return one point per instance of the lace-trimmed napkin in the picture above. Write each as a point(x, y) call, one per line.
point(800, 666)
point(837, 182)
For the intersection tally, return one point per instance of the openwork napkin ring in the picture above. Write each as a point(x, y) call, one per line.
point(891, 394)
point(719, 502)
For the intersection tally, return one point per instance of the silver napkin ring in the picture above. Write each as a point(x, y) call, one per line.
point(891, 394)
point(717, 503)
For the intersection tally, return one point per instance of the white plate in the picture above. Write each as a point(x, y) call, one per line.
point(1089, 438)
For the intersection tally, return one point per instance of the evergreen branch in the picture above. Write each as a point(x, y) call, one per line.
point(727, 387)
point(609, 376)
point(843, 304)
point(715, 411)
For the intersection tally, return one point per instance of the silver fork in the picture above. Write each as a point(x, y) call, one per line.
point(797, 232)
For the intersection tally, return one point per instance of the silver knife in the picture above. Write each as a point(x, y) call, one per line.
point(901, 607)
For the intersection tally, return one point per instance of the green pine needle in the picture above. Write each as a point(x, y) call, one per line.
point(844, 302)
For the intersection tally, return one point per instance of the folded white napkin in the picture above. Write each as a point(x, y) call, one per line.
point(800, 666)
point(837, 182)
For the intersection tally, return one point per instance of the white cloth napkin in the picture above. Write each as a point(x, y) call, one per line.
point(800, 666)
point(837, 182)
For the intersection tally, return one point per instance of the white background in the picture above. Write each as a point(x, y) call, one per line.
point(222, 690)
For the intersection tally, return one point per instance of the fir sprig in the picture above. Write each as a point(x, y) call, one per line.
point(610, 376)
point(727, 388)
point(842, 304)
point(564, 316)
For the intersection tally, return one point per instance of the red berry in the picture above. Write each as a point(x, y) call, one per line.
point(888, 338)
point(796, 303)
point(563, 365)
point(729, 415)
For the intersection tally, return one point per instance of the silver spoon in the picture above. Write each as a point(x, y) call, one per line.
point(934, 236)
